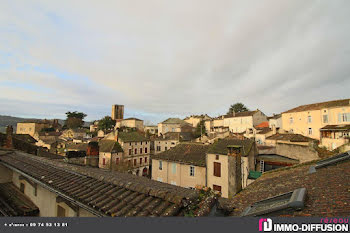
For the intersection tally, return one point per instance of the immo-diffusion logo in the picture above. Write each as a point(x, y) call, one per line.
point(337, 225)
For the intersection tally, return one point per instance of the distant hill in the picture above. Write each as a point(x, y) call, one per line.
point(10, 120)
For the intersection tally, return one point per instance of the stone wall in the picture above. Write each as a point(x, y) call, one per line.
point(301, 152)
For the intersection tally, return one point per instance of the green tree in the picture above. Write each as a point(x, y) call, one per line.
point(106, 123)
point(75, 119)
point(200, 129)
point(237, 107)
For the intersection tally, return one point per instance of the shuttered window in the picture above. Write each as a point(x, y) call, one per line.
point(216, 188)
point(217, 169)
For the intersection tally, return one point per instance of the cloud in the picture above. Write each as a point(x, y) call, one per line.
point(166, 58)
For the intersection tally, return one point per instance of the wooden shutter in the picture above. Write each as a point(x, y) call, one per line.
point(217, 169)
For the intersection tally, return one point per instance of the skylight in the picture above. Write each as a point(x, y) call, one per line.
point(292, 200)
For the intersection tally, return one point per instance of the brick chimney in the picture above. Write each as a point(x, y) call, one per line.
point(92, 154)
point(9, 137)
point(234, 169)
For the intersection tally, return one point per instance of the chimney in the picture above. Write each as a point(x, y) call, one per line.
point(234, 169)
point(9, 137)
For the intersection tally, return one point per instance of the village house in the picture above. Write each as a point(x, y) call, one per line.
point(74, 133)
point(151, 129)
point(110, 154)
point(309, 119)
point(275, 121)
point(194, 120)
point(174, 125)
point(315, 189)
point(31, 127)
point(38, 186)
point(183, 165)
point(334, 136)
point(229, 162)
point(260, 132)
point(241, 121)
point(170, 140)
point(130, 123)
point(136, 149)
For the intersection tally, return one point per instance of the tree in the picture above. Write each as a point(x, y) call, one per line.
point(237, 107)
point(75, 119)
point(106, 123)
point(200, 129)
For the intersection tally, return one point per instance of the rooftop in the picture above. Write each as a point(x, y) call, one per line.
point(188, 153)
point(132, 118)
point(290, 137)
point(264, 124)
point(175, 121)
point(110, 146)
point(220, 146)
point(132, 136)
point(241, 114)
point(106, 193)
point(336, 127)
point(327, 190)
point(318, 106)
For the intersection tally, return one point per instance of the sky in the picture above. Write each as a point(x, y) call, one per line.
point(162, 58)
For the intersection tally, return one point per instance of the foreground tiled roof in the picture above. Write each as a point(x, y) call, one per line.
point(220, 146)
point(179, 136)
point(105, 193)
point(263, 130)
point(14, 203)
point(188, 153)
point(109, 146)
point(317, 106)
point(131, 137)
point(290, 137)
point(25, 137)
point(328, 190)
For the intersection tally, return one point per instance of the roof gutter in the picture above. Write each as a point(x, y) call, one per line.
point(78, 203)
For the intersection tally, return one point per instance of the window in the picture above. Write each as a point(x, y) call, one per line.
point(173, 168)
point(117, 161)
point(140, 161)
point(217, 188)
point(191, 170)
point(217, 157)
point(22, 187)
point(291, 120)
point(103, 161)
point(135, 151)
point(217, 169)
point(145, 159)
point(140, 150)
point(158, 148)
point(309, 119)
point(61, 212)
point(130, 151)
point(160, 165)
point(134, 162)
point(325, 118)
point(310, 131)
point(130, 143)
point(146, 143)
point(141, 143)
point(146, 150)
point(344, 117)
point(135, 143)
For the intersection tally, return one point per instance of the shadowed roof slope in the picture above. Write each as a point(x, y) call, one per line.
point(131, 137)
point(110, 146)
point(220, 146)
point(189, 153)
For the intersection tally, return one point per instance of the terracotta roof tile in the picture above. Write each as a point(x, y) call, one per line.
point(317, 106)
